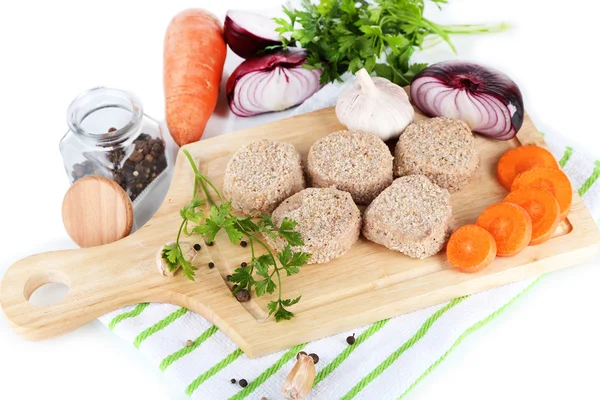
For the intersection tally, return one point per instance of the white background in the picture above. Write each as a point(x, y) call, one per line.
point(545, 346)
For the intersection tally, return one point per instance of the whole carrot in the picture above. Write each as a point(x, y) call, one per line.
point(194, 55)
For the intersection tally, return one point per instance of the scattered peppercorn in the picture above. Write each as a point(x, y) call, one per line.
point(197, 247)
point(263, 398)
point(244, 265)
point(243, 383)
point(189, 343)
point(243, 243)
point(113, 129)
point(233, 380)
point(211, 264)
point(242, 295)
point(228, 277)
point(210, 243)
point(351, 339)
point(298, 355)
point(314, 357)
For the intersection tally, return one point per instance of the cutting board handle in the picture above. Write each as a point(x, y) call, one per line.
point(82, 304)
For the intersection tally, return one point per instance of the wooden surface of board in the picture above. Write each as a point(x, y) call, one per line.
point(367, 284)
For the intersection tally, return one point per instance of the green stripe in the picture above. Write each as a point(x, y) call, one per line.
point(212, 371)
point(188, 349)
point(396, 354)
point(590, 181)
point(466, 333)
point(329, 368)
point(130, 314)
point(566, 156)
point(291, 353)
point(163, 323)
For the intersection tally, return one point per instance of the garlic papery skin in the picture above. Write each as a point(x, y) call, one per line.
point(375, 105)
point(300, 381)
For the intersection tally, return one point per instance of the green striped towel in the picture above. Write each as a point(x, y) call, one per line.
point(387, 360)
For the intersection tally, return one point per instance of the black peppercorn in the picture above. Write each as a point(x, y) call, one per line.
point(233, 380)
point(243, 243)
point(243, 265)
point(298, 355)
point(242, 295)
point(314, 357)
point(243, 383)
point(210, 243)
point(351, 339)
point(112, 129)
point(211, 264)
point(228, 277)
point(197, 247)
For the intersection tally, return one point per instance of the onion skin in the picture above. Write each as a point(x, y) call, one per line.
point(242, 42)
point(290, 63)
point(487, 99)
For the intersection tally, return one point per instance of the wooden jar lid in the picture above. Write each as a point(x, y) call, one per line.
point(96, 211)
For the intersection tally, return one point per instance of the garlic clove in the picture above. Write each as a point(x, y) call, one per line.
point(300, 380)
point(188, 252)
point(375, 105)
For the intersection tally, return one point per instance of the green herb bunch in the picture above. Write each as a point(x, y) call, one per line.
point(380, 36)
point(269, 267)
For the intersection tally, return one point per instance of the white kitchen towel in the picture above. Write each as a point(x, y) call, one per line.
point(388, 358)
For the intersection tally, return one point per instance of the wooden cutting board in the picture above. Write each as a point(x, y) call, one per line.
point(367, 284)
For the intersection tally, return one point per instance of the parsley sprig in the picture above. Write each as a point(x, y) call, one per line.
point(172, 254)
point(264, 272)
point(380, 36)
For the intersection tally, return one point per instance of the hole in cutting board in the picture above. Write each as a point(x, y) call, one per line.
point(46, 288)
point(48, 294)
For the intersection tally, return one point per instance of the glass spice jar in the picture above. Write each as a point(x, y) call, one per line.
point(109, 135)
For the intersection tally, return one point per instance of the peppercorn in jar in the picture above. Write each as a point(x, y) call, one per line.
point(110, 136)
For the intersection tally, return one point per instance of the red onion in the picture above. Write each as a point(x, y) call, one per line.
point(486, 99)
point(247, 33)
point(272, 82)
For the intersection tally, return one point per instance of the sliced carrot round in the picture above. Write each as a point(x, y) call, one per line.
point(520, 159)
point(553, 180)
point(509, 224)
point(543, 209)
point(471, 249)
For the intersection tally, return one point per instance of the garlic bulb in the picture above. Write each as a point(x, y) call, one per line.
point(375, 105)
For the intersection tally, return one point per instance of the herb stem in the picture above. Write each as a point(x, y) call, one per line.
point(213, 187)
point(474, 28)
point(194, 168)
point(205, 189)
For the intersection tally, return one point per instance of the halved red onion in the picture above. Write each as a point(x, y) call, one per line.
point(486, 99)
point(272, 82)
point(247, 33)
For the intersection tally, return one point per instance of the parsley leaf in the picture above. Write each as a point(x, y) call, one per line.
point(263, 263)
point(265, 285)
point(243, 278)
point(286, 230)
point(171, 254)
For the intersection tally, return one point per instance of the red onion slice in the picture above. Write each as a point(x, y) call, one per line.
point(272, 82)
point(485, 98)
point(248, 33)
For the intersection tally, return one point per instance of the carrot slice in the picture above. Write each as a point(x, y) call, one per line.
point(509, 224)
point(520, 159)
point(543, 209)
point(553, 180)
point(471, 249)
